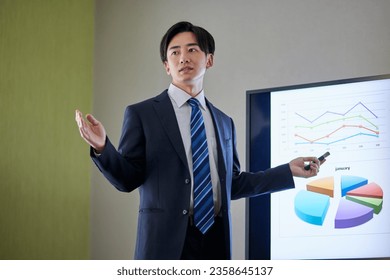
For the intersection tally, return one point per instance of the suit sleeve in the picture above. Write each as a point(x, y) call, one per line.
point(124, 168)
point(249, 184)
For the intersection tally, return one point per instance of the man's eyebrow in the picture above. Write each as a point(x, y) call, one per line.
point(188, 45)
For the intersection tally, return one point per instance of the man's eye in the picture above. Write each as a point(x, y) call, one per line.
point(192, 50)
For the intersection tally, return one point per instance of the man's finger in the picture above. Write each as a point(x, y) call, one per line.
point(79, 119)
point(92, 119)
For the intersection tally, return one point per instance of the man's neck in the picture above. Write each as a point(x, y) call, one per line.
point(190, 89)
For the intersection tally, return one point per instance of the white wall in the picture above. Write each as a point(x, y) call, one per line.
point(259, 44)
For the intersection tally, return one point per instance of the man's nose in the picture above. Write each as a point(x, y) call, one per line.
point(184, 58)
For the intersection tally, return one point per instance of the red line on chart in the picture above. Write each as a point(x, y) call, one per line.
point(330, 134)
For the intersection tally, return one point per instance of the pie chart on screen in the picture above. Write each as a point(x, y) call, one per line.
point(360, 201)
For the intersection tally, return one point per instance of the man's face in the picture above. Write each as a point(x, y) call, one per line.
point(186, 62)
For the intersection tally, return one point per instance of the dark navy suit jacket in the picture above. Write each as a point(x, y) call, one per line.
point(151, 158)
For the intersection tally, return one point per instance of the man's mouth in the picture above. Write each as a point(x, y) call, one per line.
point(186, 69)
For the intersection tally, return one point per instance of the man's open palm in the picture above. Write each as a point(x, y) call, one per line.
point(92, 131)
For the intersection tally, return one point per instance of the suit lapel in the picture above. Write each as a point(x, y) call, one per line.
point(163, 107)
point(219, 128)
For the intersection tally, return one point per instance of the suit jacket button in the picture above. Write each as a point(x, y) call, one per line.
point(185, 212)
point(187, 181)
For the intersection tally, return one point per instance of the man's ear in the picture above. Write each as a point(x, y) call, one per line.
point(210, 60)
point(166, 66)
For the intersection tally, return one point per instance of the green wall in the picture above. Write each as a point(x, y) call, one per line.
point(46, 56)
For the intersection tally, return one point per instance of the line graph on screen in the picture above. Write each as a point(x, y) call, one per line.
point(341, 126)
point(350, 123)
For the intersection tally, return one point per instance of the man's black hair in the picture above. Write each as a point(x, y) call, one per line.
point(204, 38)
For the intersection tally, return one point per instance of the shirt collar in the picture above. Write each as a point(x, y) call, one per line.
point(180, 97)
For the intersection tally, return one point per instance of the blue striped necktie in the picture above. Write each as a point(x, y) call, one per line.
point(203, 192)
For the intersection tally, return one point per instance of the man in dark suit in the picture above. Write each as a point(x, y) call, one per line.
point(155, 156)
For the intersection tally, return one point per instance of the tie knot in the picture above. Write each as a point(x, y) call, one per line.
point(193, 102)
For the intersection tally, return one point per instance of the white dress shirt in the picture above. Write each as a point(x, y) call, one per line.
point(182, 109)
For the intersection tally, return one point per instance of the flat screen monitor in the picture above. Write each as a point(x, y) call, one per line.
point(344, 211)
